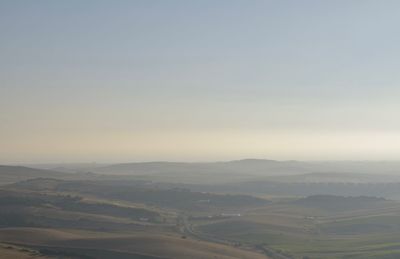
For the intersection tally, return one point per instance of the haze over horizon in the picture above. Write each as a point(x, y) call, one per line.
point(108, 81)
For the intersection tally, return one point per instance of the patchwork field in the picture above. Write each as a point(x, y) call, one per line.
point(103, 218)
point(296, 231)
point(138, 244)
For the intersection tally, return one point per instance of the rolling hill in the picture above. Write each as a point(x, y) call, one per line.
point(11, 174)
point(150, 245)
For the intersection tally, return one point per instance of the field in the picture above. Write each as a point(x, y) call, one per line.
point(122, 216)
point(303, 232)
point(18, 252)
point(151, 245)
point(86, 219)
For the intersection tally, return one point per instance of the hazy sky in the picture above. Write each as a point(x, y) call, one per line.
point(199, 80)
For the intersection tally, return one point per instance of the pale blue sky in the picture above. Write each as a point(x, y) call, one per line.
point(199, 80)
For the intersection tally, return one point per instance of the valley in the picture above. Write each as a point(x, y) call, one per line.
point(92, 215)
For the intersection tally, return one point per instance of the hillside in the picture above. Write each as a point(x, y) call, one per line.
point(11, 174)
point(143, 192)
point(8, 251)
point(150, 245)
point(248, 166)
point(331, 202)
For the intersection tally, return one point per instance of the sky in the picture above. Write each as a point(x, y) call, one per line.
point(120, 81)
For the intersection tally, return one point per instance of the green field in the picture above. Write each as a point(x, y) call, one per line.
point(298, 232)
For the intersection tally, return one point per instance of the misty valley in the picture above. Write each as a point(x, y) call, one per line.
point(238, 209)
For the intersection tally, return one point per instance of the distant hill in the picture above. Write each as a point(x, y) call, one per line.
point(67, 167)
point(11, 174)
point(333, 177)
point(238, 171)
point(151, 194)
point(332, 202)
point(251, 167)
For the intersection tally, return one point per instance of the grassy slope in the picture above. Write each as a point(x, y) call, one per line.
point(16, 252)
point(299, 231)
point(161, 245)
